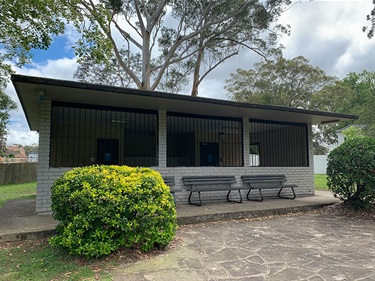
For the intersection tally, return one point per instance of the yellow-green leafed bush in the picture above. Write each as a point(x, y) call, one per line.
point(104, 208)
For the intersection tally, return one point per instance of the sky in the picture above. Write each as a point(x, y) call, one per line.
point(327, 33)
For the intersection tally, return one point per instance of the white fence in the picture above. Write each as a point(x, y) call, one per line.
point(320, 164)
point(30, 159)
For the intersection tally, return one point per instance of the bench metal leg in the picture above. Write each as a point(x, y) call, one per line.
point(235, 201)
point(285, 197)
point(199, 197)
point(258, 200)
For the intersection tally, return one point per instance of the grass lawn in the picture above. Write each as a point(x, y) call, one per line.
point(17, 191)
point(320, 182)
point(36, 260)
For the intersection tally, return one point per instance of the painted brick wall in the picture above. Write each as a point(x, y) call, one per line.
point(302, 176)
point(44, 176)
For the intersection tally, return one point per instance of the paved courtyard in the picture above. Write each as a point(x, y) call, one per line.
point(309, 247)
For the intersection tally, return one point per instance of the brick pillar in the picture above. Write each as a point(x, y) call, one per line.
point(246, 142)
point(43, 192)
point(162, 151)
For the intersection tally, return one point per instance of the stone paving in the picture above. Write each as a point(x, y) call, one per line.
point(310, 247)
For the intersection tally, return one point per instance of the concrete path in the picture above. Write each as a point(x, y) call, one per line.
point(18, 220)
point(210, 212)
point(306, 247)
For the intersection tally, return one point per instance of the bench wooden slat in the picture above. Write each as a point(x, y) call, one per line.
point(208, 177)
point(210, 183)
point(214, 188)
point(267, 182)
point(169, 180)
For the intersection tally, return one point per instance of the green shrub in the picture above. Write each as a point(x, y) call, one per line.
point(351, 171)
point(104, 208)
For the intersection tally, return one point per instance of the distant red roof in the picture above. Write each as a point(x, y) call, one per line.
point(17, 151)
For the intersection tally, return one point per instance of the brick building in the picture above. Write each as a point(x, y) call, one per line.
point(83, 124)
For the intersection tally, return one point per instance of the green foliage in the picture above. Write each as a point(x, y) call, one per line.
point(24, 25)
point(352, 133)
point(104, 208)
point(282, 82)
point(27, 25)
point(351, 171)
point(6, 105)
point(31, 148)
point(362, 99)
point(355, 94)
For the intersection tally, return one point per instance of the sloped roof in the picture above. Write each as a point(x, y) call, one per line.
point(29, 90)
point(17, 151)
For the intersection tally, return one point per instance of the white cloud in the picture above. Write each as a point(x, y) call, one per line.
point(61, 68)
point(19, 131)
point(329, 34)
point(21, 137)
point(71, 35)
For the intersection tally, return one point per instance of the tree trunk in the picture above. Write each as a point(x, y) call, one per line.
point(196, 82)
point(194, 90)
point(146, 58)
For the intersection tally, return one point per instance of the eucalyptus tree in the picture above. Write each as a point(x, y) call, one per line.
point(107, 73)
point(172, 37)
point(112, 74)
point(227, 27)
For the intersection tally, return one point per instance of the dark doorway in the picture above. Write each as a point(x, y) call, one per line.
point(107, 152)
point(209, 153)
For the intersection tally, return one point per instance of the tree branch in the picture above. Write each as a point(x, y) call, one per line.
point(156, 15)
point(127, 36)
point(216, 65)
point(118, 55)
point(139, 16)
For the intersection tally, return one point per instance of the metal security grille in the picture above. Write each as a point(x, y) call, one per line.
point(274, 144)
point(194, 140)
point(84, 135)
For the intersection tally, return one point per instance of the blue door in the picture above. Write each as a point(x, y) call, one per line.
point(107, 152)
point(209, 153)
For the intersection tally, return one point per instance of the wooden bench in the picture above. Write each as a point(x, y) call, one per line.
point(267, 182)
point(169, 180)
point(211, 183)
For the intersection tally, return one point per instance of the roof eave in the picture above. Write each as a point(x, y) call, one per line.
point(72, 91)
